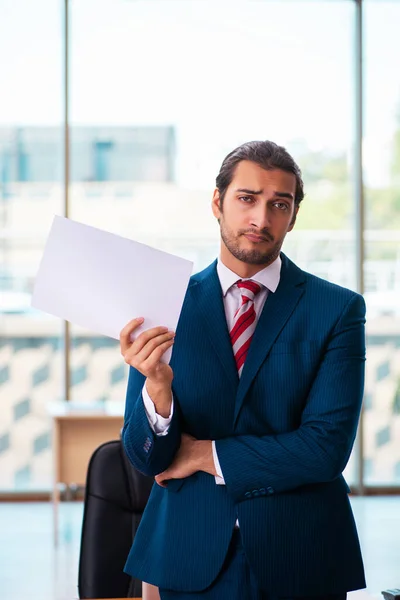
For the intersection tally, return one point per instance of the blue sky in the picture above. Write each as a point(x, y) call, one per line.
point(221, 72)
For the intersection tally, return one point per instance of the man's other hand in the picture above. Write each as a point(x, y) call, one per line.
point(192, 456)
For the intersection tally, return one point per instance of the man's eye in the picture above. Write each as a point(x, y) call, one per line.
point(246, 199)
point(281, 205)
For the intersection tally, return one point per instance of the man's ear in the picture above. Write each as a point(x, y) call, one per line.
point(216, 204)
point(293, 222)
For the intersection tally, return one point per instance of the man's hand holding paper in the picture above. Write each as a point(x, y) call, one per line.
point(145, 354)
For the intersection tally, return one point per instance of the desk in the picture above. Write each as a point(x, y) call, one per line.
point(77, 431)
point(150, 592)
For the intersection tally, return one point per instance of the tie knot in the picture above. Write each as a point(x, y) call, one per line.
point(248, 289)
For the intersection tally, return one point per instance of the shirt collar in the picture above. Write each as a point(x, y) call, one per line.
point(269, 277)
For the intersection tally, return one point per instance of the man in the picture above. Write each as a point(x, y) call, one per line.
point(249, 428)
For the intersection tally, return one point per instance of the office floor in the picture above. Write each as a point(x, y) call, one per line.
point(30, 568)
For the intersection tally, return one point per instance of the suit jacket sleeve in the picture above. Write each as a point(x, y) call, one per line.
point(319, 449)
point(148, 452)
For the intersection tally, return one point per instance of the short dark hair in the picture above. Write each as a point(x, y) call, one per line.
point(266, 154)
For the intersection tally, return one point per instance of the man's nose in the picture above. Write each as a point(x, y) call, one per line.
point(260, 218)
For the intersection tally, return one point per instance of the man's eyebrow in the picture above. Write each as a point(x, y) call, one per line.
point(284, 195)
point(258, 192)
point(246, 191)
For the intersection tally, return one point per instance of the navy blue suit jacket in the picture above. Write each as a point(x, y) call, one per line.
point(283, 432)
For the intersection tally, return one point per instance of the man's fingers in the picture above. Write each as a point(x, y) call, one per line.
point(125, 335)
point(146, 337)
point(155, 356)
point(161, 480)
point(152, 347)
point(136, 346)
point(147, 365)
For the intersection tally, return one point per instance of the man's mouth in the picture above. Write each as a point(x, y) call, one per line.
point(256, 238)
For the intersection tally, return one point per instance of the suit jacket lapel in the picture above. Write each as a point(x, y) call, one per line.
point(207, 294)
point(277, 310)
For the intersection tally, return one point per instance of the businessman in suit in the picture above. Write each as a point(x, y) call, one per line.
point(249, 428)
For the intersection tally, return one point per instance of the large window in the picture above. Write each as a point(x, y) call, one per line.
point(382, 240)
point(30, 193)
point(167, 118)
point(160, 91)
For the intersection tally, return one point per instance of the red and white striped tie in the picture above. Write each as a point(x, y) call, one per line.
point(245, 322)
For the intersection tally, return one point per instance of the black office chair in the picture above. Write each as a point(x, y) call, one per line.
point(115, 497)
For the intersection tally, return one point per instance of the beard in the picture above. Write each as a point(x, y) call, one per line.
point(256, 256)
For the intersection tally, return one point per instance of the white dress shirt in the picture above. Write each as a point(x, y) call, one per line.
point(269, 279)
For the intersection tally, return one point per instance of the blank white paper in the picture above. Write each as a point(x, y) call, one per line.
point(101, 281)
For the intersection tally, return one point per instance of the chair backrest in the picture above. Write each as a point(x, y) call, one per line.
point(115, 497)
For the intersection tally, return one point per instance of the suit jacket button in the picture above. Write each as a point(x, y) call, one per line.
point(247, 495)
point(270, 490)
point(262, 491)
point(255, 493)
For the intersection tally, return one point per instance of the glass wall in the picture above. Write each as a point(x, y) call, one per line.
point(382, 243)
point(31, 174)
point(160, 92)
point(161, 122)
